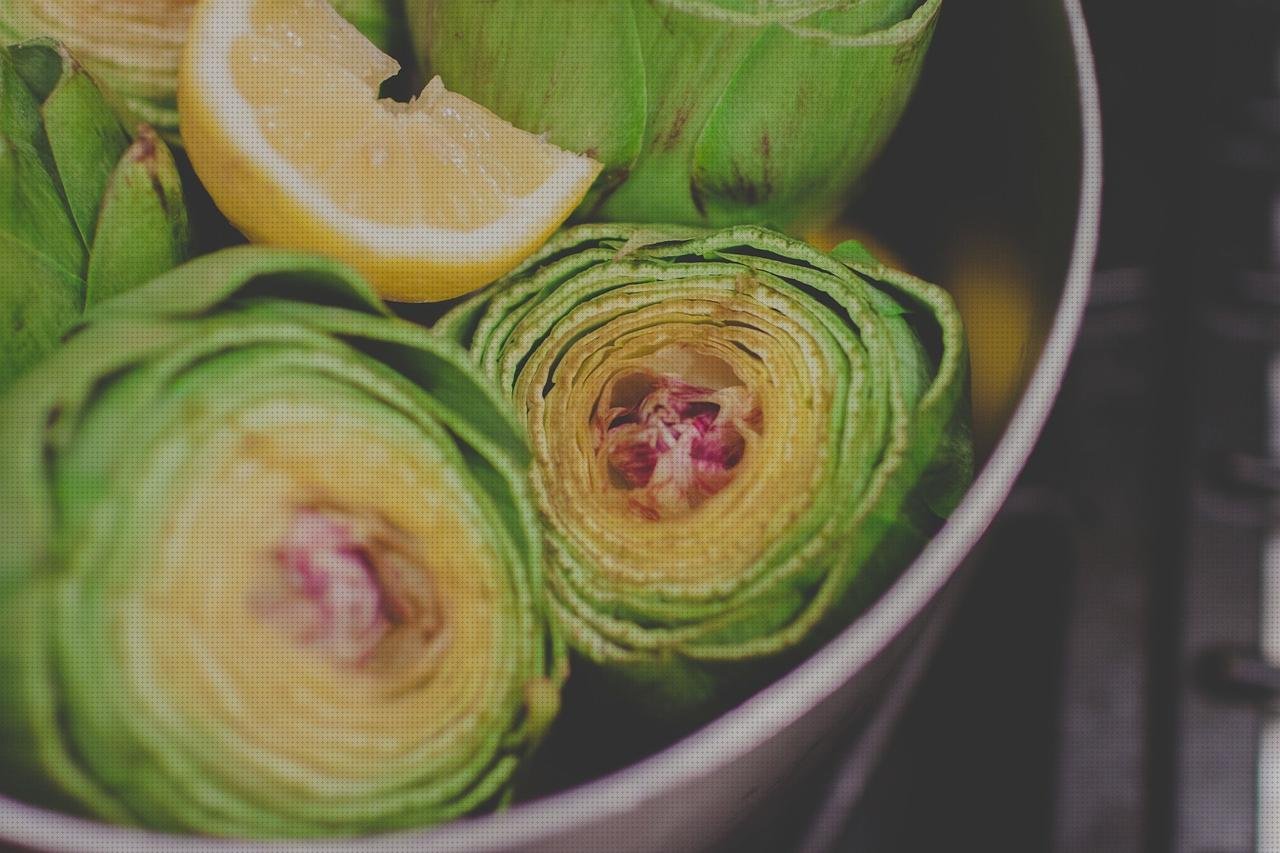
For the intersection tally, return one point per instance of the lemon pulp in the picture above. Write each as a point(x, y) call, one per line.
point(429, 199)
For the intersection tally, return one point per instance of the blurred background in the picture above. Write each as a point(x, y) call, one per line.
point(1107, 682)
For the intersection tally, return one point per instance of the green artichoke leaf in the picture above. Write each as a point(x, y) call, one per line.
point(597, 100)
point(87, 141)
point(33, 209)
point(143, 197)
point(77, 194)
point(782, 163)
point(242, 273)
point(681, 66)
point(945, 408)
point(40, 64)
point(381, 22)
point(19, 106)
point(738, 442)
point(191, 473)
point(853, 252)
point(704, 112)
point(38, 302)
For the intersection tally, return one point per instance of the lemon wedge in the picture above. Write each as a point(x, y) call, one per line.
point(280, 115)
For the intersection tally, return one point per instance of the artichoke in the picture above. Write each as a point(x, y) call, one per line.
point(381, 21)
point(738, 440)
point(705, 112)
point(270, 567)
point(134, 45)
point(86, 212)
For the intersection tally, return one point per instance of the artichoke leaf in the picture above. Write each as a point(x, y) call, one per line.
point(86, 140)
point(76, 194)
point(142, 228)
point(38, 301)
point(33, 209)
point(601, 105)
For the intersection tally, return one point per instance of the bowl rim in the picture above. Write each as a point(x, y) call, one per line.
point(744, 729)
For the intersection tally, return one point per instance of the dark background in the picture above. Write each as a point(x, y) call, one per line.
point(1100, 688)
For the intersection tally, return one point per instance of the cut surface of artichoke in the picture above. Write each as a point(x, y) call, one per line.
point(281, 117)
point(738, 440)
point(333, 673)
point(134, 46)
point(713, 529)
point(278, 572)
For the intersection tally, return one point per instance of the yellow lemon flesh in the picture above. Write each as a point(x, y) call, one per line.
point(994, 286)
point(430, 199)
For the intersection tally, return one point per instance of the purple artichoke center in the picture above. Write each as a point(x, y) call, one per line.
point(337, 592)
point(672, 445)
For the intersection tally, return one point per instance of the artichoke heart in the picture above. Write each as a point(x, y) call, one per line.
point(704, 112)
point(87, 210)
point(134, 46)
point(272, 569)
point(738, 440)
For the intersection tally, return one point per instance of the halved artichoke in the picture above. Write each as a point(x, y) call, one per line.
point(738, 440)
point(134, 45)
point(87, 210)
point(269, 567)
point(704, 112)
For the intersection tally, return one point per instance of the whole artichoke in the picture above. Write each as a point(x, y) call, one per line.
point(270, 567)
point(705, 112)
point(86, 212)
point(134, 46)
point(738, 440)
